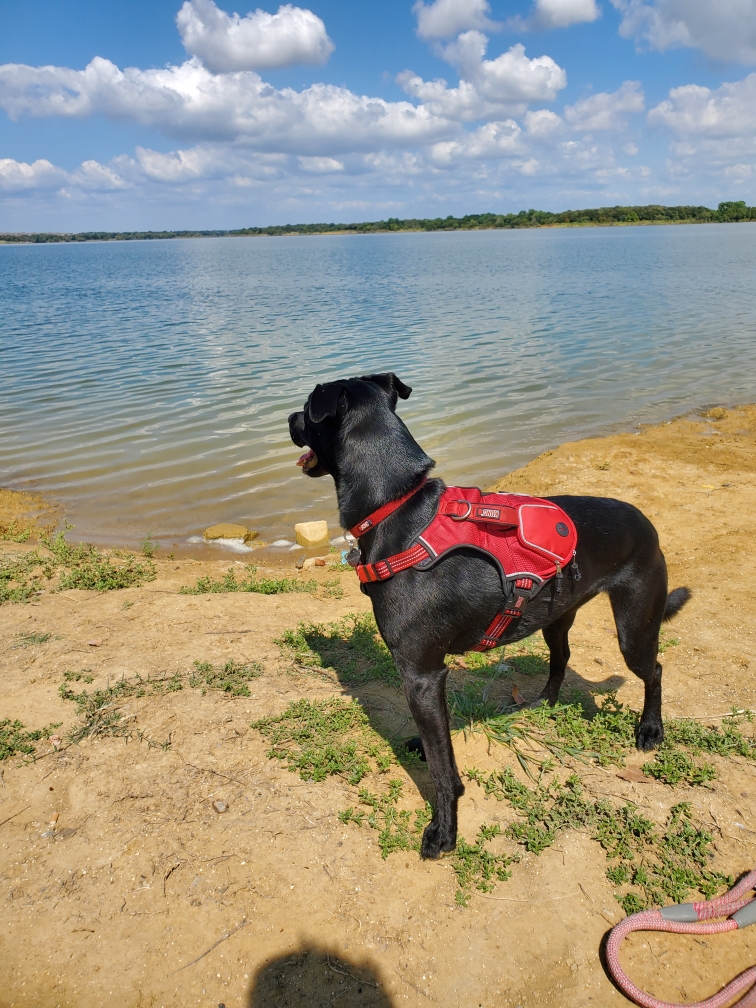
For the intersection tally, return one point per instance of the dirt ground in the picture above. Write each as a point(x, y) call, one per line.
point(145, 896)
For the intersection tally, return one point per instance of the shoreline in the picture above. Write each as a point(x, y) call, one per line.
point(41, 511)
point(367, 234)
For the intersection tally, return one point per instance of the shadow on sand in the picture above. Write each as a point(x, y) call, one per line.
point(315, 977)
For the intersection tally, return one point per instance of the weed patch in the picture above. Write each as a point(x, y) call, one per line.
point(675, 766)
point(248, 583)
point(324, 737)
point(22, 576)
point(17, 739)
point(398, 829)
point(655, 865)
point(230, 678)
point(351, 647)
point(25, 640)
point(13, 534)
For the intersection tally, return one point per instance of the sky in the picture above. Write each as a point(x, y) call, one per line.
point(158, 114)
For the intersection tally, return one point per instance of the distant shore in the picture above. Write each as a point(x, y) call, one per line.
point(618, 216)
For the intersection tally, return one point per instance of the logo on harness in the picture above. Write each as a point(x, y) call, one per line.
point(489, 512)
point(562, 529)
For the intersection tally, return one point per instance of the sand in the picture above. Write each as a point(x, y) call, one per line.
point(147, 897)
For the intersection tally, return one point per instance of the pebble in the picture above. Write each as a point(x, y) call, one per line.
point(315, 562)
point(220, 806)
point(95, 643)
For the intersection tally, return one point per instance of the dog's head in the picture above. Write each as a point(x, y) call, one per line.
point(335, 407)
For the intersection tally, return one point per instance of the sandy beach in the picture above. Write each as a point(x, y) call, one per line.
point(143, 894)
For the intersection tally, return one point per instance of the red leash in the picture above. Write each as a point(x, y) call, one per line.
point(687, 918)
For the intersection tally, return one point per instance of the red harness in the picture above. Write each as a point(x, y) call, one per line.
point(529, 539)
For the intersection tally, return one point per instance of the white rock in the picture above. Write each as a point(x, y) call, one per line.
point(312, 534)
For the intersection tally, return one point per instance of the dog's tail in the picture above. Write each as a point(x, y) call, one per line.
point(675, 601)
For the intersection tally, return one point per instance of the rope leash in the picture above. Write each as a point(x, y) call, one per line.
point(687, 918)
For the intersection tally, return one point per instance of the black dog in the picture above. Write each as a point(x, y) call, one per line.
point(354, 434)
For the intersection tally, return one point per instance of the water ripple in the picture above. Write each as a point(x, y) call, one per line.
point(147, 384)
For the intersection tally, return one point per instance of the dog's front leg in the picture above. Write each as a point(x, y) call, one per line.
point(426, 695)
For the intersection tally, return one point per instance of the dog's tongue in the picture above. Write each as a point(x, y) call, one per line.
point(308, 460)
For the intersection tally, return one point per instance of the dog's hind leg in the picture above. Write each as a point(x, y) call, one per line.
point(426, 695)
point(638, 604)
point(556, 635)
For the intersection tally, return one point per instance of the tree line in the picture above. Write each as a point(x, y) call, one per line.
point(726, 212)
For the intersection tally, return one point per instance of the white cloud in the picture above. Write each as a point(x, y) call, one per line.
point(18, 175)
point(695, 111)
point(542, 122)
point(260, 41)
point(511, 79)
point(722, 29)
point(487, 89)
point(190, 102)
point(445, 18)
point(630, 149)
point(320, 165)
point(605, 111)
point(547, 14)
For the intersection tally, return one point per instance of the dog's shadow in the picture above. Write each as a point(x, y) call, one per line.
point(477, 688)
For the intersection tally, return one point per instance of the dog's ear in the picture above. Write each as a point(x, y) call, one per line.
point(324, 401)
point(390, 384)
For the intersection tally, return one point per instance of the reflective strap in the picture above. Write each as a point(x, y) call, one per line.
point(382, 570)
point(493, 634)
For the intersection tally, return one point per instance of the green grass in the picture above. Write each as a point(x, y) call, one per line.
point(17, 739)
point(66, 565)
point(351, 647)
point(248, 583)
point(321, 738)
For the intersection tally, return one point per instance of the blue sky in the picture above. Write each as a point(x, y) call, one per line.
point(170, 115)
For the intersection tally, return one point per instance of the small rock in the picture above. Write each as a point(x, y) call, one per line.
point(315, 562)
point(312, 534)
point(282, 542)
point(95, 643)
point(598, 661)
point(633, 774)
point(225, 530)
point(220, 806)
point(717, 413)
point(56, 741)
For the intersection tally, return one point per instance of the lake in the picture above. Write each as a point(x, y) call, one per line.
point(146, 384)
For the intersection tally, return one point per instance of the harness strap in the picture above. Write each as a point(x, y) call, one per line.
point(382, 512)
point(502, 620)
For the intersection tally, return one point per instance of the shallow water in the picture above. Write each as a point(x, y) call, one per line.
point(146, 385)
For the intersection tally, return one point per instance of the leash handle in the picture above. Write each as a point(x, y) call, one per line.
point(691, 918)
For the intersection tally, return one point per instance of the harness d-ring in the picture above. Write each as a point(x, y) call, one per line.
point(463, 517)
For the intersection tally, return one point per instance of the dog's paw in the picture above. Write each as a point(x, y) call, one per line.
point(650, 735)
point(436, 841)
